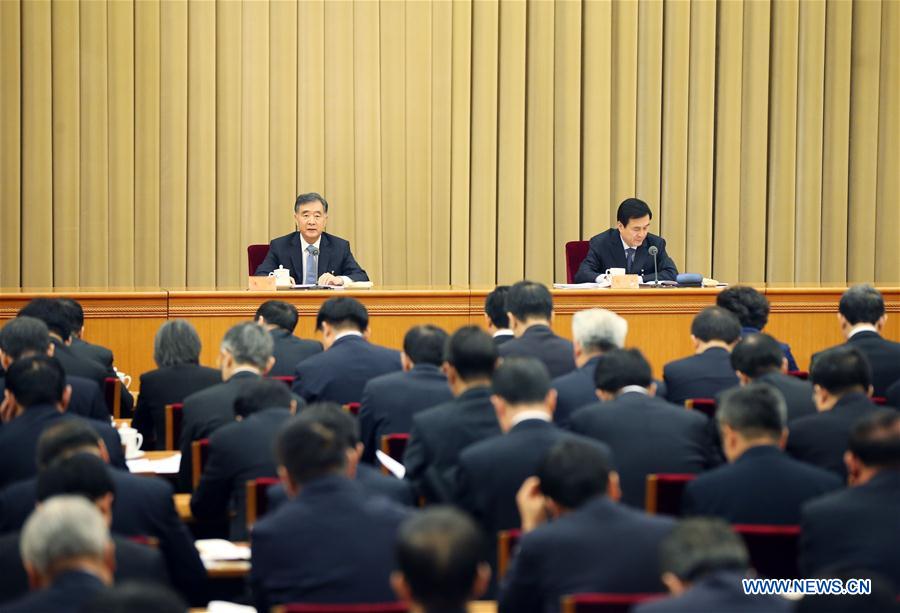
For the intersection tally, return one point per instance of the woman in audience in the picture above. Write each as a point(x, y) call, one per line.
point(176, 351)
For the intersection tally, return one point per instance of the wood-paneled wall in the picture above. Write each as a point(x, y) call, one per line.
point(146, 143)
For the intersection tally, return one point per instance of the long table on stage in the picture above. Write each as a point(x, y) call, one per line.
point(659, 319)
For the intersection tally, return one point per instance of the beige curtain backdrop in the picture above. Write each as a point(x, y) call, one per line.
point(148, 143)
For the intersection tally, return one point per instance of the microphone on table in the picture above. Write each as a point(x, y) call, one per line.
point(653, 251)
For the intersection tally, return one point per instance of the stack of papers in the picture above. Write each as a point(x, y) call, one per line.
point(165, 466)
point(602, 284)
point(220, 550)
point(396, 468)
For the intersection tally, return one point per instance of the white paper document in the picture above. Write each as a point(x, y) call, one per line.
point(603, 284)
point(165, 466)
point(221, 606)
point(220, 550)
point(396, 468)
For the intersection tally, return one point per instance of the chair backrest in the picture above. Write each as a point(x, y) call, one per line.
point(576, 251)
point(880, 400)
point(257, 501)
point(199, 455)
point(800, 374)
point(773, 549)
point(604, 603)
point(353, 408)
point(507, 540)
point(382, 607)
point(395, 444)
point(255, 256)
point(112, 393)
point(174, 415)
point(663, 492)
point(707, 406)
point(289, 381)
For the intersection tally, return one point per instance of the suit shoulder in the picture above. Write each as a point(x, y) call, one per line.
point(337, 241)
point(282, 240)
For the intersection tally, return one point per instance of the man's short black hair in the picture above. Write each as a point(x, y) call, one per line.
point(82, 474)
point(716, 324)
point(754, 411)
point(310, 197)
point(75, 313)
point(24, 335)
point(438, 551)
point(521, 380)
point(65, 438)
point(529, 300)
point(756, 355)
point(632, 208)
point(335, 418)
point(425, 344)
point(700, 546)
point(343, 312)
point(261, 394)
point(748, 305)
point(52, 312)
point(841, 369)
point(310, 450)
point(875, 439)
point(574, 471)
point(278, 313)
point(136, 597)
point(619, 368)
point(495, 306)
point(36, 379)
point(472, 352)
point(862, 304)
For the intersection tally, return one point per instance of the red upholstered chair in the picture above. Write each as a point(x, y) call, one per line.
point(663, 493)
point(255, 256)
point(506, 543)
point(174, 415)
point(773, 549)
point(353, 408)
point(604, 603)
point(382, 607)
point(576, 251)
point(199, 455)
point(289, 381)
point(880, 400)
point(707, 406)
point(394, 445)
point(112, 393)
point(257, 501)
point(800, 374)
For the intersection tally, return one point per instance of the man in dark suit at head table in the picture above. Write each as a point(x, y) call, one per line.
point(313, 256)
point(495, 315)
point(280, 319)
point(752, 310)
point(626, 246)
point(529, 306)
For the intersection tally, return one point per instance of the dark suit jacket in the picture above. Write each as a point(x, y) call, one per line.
point(390, 401)
point(574, 390)
point(717, 591)
point(289, 351)
point(763, 486)
point(78, 366)
point(167, 385)
point(797, 394)
point(238, 452)
point(89, 351)
point(647, 435)
point(792, 363)
point(334, 256)
point(855, 528)
point(606, 251)
point(330, 544)
point(540, 342)
point(205, 412)
point(893, 395)
point(340, 374)
point(822, 439)
point(19, 438)
point(704, 375)
point(68, 593)
point(577, 553)
point(884, 357)
point(87, 398)
point(440, 433)
point(502, 338)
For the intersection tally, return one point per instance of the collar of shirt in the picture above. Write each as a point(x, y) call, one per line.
point(633, 388)
point(503, 332)
point(252, 369)
point(316, 244)
point(862, 328)
point(347, 333)
point(625, 245)
point(533, 414)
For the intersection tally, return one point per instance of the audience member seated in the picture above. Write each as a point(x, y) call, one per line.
point(143, 506)
point(330, 543)
point(241, 451)
point(529, 307)
point(81, 475)
point(68, 555)
point(859, 527)
point(390, 401)
point(136, 597)
point(752, 310)
point(708, 372)
point(842, 380)
point(245, 355)
point(759, 358)
point(53, 313)
point(703, 562)
point(349, 361)
point(861, 316)
point(594, 332)
point(178, 374)
point(495, 315)
point(647, 435)
point(36, 396)
point(79, 347)
point(762, 484)
point(440, 433)
point(25, 336)
point(440, 566)
point(593, 543)
point(280, 319)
